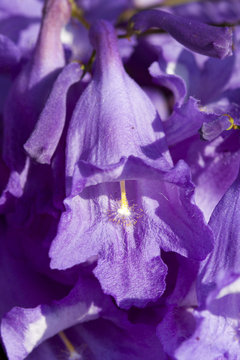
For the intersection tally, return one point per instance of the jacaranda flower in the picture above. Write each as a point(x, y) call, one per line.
point(121, 186)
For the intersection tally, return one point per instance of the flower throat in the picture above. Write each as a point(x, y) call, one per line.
point(121, 212)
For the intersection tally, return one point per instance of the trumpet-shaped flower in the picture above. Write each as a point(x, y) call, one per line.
point(125, 199)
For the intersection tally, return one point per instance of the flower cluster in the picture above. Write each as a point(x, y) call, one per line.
point(119, 179)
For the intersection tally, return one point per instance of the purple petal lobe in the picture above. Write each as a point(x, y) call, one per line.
point(226, 253)
point(122, 255)
point(209, 131)
point(199, 37)
point(73, 232)
point(185, 121)
point(40, 145)
point(135, 279)
point(172, 82)
point(30, 90)
point(212, 333)
point(174, 231)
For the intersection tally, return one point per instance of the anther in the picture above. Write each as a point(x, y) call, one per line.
point(233, 125)
point(121, 212)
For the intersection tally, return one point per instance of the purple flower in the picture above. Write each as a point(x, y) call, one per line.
point(115, 145)
point(197, 36)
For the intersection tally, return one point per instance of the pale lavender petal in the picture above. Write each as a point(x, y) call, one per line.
point(26, 99)
point(52, 119)
point(89, 229)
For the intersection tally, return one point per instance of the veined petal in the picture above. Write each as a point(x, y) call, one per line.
point(114, 118)
point(122, 255)
point(91, 229)
point(133, 274)
point(116, 135)
point(52, 119)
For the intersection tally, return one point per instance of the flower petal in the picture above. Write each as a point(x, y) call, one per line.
point(225, 255)
point(211, 333)
point(52, 119)
point(134, 278)
point(199, 37)
point(172, 82)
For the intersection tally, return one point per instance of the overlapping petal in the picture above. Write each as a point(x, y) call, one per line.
point(212, 332)
point(52, 119)
point(195, 35)
point(28, 95)
point(224, 222)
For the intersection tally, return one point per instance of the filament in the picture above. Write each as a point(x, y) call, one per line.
point(73, 353)
point(124, 209)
